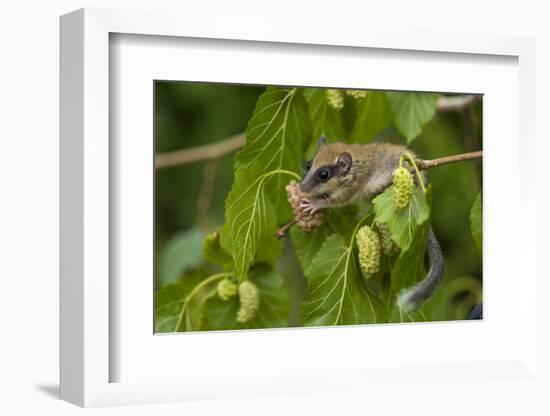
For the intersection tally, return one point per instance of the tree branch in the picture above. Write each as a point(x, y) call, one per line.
point(428, 164)
point(195, 154)
point(233, 143)
point(456, 102)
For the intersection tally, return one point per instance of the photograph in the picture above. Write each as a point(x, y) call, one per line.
point(298, 206)
point(286, 208)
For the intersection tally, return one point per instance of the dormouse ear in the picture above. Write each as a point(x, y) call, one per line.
point(344, 163)
point(322, 141)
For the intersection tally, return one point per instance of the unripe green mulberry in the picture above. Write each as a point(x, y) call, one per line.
point(389, 248)
point(249, 298)
point(335, 98)
point(226, 289)
point(368, 243)
point(402, 187)
point(357, 94)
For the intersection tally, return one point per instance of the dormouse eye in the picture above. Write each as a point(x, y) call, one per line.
point(323, 174)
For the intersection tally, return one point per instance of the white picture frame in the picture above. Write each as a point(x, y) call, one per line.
point(87, 302)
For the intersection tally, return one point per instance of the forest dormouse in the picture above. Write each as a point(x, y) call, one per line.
point(341, 174)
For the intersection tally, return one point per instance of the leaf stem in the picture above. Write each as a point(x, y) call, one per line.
point(193, 292)
point(411, 160)
point(282, 231)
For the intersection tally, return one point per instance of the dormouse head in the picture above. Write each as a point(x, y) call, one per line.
point(328, 171)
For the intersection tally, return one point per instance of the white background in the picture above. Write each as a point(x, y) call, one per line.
point(137, 61)
point(29, 183)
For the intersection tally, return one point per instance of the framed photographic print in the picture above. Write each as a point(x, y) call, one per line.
point(273, 214)
point(250, 253)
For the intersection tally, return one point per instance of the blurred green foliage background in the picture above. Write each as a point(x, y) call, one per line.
point(189, 199)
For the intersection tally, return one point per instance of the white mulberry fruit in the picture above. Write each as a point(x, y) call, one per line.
point(389, 248)
point(226, 289)
point(249, 298)
point(402, 187)
point(357, 94)
point(368, 243)
point(335, 98)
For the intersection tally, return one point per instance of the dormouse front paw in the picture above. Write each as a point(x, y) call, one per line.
point(310, 207)
point(307, 221)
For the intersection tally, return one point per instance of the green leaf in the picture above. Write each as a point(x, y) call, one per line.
point(170, 302)
point(250, 221)
point(403, 222)
point(325, 120)
point(400, 316)
point(411, 111)
point(335, 295)
point(181, 253)
point(275, 139)
point(476, 222)
point(214, 252)
point(373, 116)
point(409, 266)
point(273, 311)
point(409, 229)
point(308, 244)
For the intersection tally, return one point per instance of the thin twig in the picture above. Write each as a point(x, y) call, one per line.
point(428, 164)
point(282, 231)
point(195, 154)
point(455, 102)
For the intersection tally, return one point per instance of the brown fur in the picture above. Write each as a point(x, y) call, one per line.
point(371, 172)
